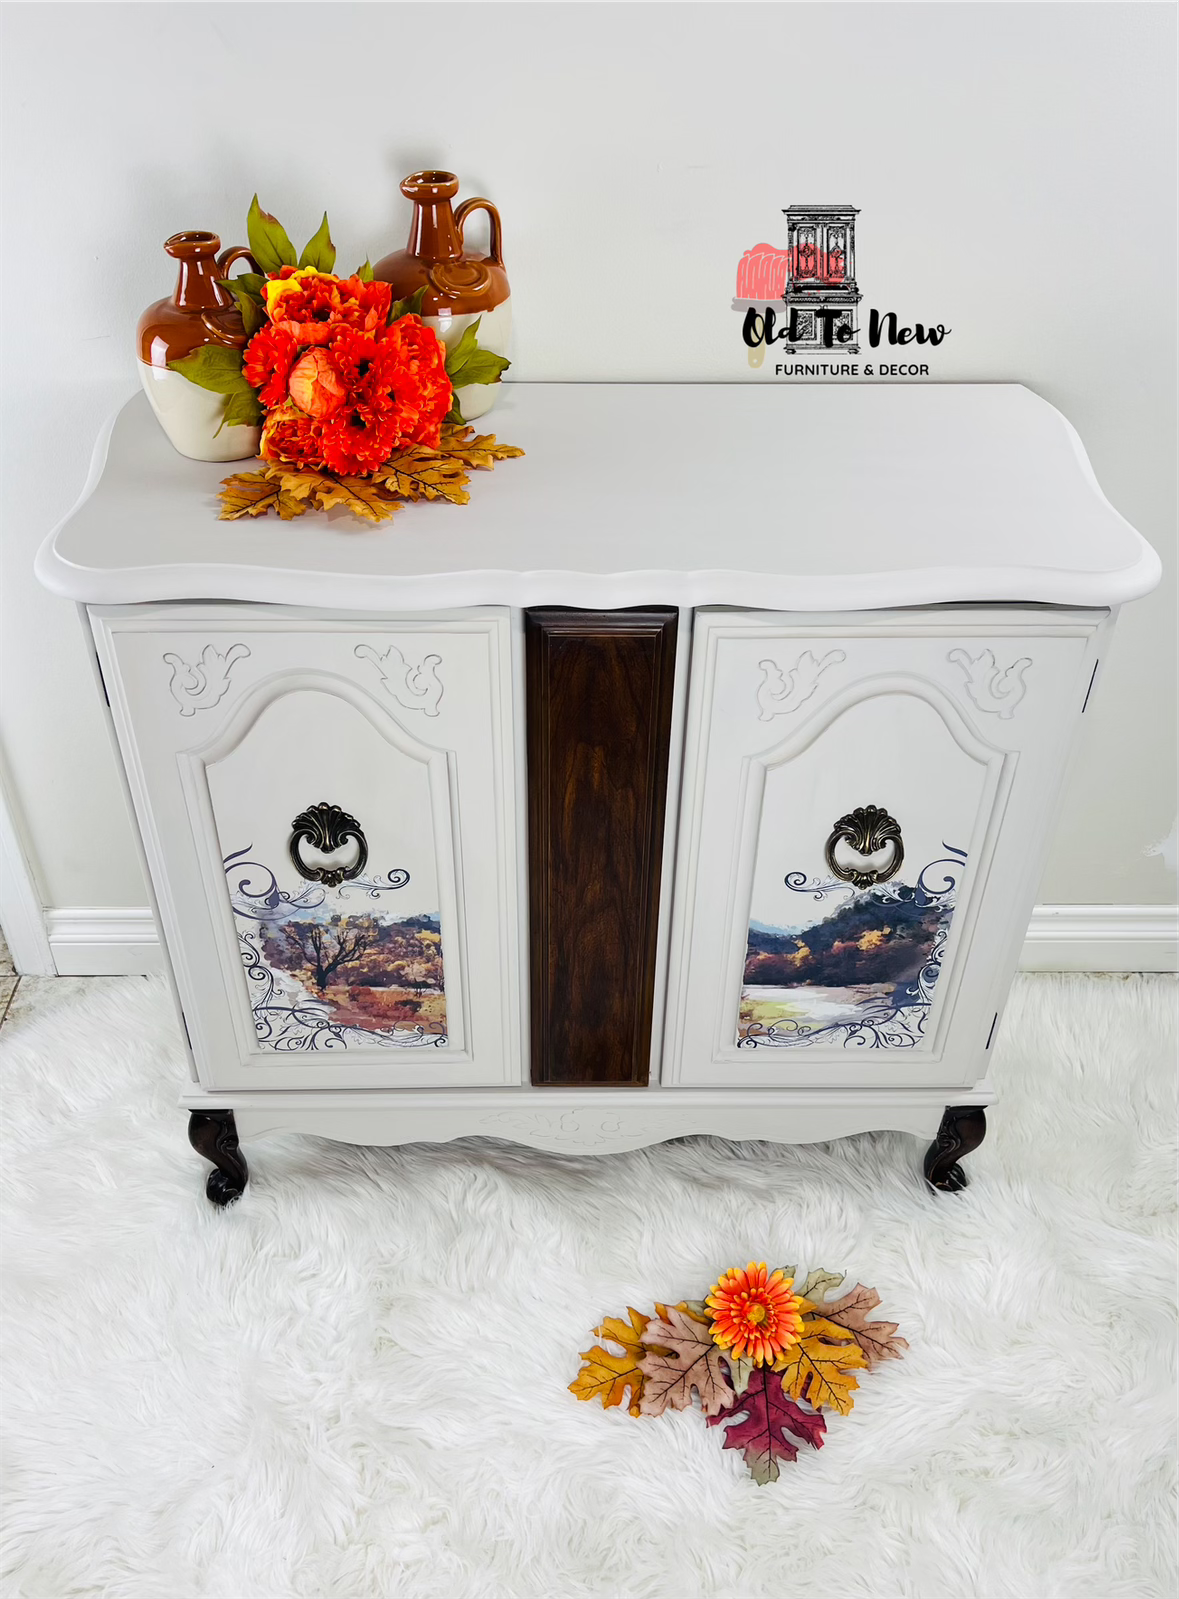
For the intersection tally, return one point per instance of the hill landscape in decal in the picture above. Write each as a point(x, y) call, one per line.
point(870, 949)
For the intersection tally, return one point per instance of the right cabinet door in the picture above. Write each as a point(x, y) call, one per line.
point(865, 808)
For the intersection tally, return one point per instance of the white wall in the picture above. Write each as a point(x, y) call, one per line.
point(1013, 165)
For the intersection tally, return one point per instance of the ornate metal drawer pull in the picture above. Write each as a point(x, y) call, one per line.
point(867, 829)
point(327, 828)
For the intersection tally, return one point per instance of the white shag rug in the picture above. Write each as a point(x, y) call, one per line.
point(353, 1382)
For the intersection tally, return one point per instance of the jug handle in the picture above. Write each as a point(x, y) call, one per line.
point(233, 341)
point(463, 211)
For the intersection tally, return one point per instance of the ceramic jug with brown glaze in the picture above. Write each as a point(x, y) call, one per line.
point(460, 284)
point(198, 312)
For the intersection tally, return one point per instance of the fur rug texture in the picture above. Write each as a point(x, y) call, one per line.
point(354, 1382)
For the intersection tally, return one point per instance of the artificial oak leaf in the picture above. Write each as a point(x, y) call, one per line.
point(820, 1372)
point(819, 1281)
point(607, 1376)
point(421, 474)
point(288, 507)
point(306, 485)
point(739, 1372)
point(481, 450)
point(769, 1417)
point(847, 1318)
point(361, 496)
point(693, 1363)
point(247, 494)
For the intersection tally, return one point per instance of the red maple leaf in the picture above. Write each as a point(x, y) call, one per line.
point(769, 1416)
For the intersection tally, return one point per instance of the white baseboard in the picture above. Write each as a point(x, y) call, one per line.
point(103, 942)
point(1102, 938)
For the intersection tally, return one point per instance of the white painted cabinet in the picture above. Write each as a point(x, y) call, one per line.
point(799, 959)
point(323, 727)
point(328, 806)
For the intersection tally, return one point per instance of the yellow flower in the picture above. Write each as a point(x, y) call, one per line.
point(274, 289)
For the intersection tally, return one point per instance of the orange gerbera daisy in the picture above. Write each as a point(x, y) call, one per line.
point(755, 1313)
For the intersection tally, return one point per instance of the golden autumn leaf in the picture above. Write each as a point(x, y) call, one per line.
point(305, 485)
point(847, 1318)
point(819, 1372)
point(478, 450)
point(607, 1376)
point(288, 507)
point(361, 496)
point(247, 494)
point(421, 474)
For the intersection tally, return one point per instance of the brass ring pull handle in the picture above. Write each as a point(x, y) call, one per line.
point(327, 828)
point(866, 829)
point(462, 212)
point(230, 337)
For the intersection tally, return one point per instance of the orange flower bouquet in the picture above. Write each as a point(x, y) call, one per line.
point(354, 392)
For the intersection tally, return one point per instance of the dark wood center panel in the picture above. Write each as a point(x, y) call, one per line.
point(599, 687)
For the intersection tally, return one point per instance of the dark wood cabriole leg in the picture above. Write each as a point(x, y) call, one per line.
point(963, 1128)
point(213, 1134)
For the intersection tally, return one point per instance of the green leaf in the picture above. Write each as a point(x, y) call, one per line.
point(467, 362)
point(242, 410)
point(454, 414)
point(215, 367)
point(818, 1282)
point(481, 367)
point(250, 305)
point(319, 251)
point(365, 273)
point(269, 244)
point(408, 307)
point(250, 281)
point(459, 354)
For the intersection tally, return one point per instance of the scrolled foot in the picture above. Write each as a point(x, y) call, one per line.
point(963, 1128)
point(213, 1134)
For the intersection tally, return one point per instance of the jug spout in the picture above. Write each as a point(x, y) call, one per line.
point(433, 233)
point(196, 281)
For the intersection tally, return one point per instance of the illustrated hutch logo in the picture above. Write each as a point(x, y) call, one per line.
point(805, 298)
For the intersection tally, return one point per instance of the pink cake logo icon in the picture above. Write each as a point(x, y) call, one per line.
point(811, 285)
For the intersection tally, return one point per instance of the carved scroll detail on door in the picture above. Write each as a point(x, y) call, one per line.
point(201, 685)
point(415, 688)
point(778, 694)
point(995, 691)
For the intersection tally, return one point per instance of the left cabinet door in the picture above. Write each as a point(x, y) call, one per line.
point(329, 809)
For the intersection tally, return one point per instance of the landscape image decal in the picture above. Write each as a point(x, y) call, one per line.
point(330, 968)
point(860, 973)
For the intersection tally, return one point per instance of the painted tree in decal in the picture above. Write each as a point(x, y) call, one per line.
point(325, 947)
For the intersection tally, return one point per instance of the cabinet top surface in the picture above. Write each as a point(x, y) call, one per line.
point(790, 497)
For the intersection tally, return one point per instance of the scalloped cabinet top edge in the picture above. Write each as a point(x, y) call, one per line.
point(801, 497)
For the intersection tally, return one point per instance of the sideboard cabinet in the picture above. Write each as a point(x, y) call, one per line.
point(620, 804)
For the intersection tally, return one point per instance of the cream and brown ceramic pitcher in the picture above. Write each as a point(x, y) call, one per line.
point(198, 312)
point(460, 284)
